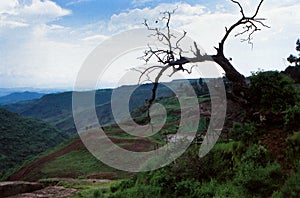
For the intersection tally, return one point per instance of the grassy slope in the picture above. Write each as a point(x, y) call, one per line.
point(71, 159)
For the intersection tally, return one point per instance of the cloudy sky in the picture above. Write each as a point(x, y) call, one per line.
point(43, 43)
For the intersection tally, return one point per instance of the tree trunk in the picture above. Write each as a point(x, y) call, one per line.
point(238, 80)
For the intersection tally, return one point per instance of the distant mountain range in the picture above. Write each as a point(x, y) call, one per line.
point(23, 138)
point(7, 91)
point(56, 109)
point(19, 97)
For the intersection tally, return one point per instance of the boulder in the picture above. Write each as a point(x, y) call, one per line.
point(11, 188)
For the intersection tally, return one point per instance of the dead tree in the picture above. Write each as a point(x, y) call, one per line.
point(173, 56)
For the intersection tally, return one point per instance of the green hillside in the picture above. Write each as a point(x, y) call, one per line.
point(23, 138)
point(73, 160)
point(56, 109)
point(253, 157)
point(259, 157)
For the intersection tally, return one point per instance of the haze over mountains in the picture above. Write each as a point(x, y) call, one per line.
point(56, 109)
point(33, 126)
point(20, 96)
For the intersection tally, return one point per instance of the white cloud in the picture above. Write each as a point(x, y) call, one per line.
point(74, 2)
point(95, 38)
point(135, 17)
point(271, 46)
point(8, 6)
point(41, 58)
point(15, 14)
point(44, 8)
point(140, 2)
point(35, 51)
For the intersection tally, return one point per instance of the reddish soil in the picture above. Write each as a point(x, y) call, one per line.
point(133, 144)
point(38, 164)
point(274, 140)
point(137, 145)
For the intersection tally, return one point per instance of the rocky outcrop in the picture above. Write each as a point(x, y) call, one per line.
point(50, 192)
point(11, 188)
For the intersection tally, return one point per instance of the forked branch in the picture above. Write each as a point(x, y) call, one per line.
point(172, 55)
point(250, 25)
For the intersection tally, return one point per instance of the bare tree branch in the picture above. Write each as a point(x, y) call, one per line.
point(172, 56)
point(249, 24)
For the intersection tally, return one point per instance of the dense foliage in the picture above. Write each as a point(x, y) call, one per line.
point(242, 167)
point(245, 132)
point(22, 138)
point(272, 91)
point(228, 171)
point(292, 118)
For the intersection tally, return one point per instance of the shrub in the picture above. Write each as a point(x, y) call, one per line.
point(144, 191)
point(187, 188)
point(291, 118)
point(122, 186)
point(291, 187)
point(229, 190)
point(258, 180)
point(98, 193)
point(272, 91)
point(225, 159)
point(258, 154)
point(293, 148)
point(214, 189)
point(207, 190)
point(190, 166)
point(245, 132)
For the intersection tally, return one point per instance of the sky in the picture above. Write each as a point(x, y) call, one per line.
point(43, 43)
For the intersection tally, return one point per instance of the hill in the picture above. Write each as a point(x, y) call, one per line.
point(20, 96)
point(257, 153)
point(56, 109)
point(23, 138)
point(73, 160)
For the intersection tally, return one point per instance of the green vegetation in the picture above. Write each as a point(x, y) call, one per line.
point(291, 187)
point(294, 59)
point(272, 91)
point(56, 109)
point(292, 117)
point(293, 149)
point(245, 132)
point(23, 138)
point(77, 163)
point(251, 162)
point(211, 176)
point(242, 167)
point(88, 188)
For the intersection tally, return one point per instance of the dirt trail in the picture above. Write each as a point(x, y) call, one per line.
point(77, 144)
